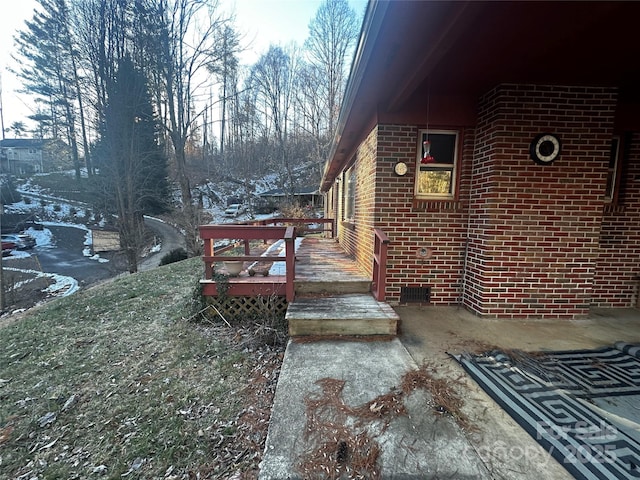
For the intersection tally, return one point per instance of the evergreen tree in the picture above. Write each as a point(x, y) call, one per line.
point(49, 69)
point(133, 167)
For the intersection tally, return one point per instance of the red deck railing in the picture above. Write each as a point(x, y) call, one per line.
point(380, 249)
point(326, 224)
point(244, 234)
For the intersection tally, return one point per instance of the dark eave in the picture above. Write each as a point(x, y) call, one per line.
point(453, 52)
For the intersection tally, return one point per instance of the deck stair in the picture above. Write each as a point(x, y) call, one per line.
point(323, 290)
point(333, 296)
point(335, 315)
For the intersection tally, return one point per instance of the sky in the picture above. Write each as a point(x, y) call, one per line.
point(260, 22)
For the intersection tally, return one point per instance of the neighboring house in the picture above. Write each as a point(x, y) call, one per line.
point(307, 196)
point(527, 201)
point(32, 155)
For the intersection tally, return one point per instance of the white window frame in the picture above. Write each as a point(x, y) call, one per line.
point(452, 167)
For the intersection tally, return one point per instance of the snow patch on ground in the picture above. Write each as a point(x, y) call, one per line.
point(18, 254)
point(43, 238)
point(52, 212)
point(278, 249)
point(62, 286)
point(88, 239)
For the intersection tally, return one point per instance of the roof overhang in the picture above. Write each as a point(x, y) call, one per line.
point(453, 52)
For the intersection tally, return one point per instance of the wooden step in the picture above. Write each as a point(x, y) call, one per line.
point(333, 286)
point(341, 315)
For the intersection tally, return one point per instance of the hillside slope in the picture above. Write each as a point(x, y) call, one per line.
point(121, 379)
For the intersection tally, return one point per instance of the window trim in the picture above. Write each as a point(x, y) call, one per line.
point(350, 194)
point(454, 166)
point(612, 197)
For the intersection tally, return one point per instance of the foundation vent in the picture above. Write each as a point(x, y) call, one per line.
point(415, 294)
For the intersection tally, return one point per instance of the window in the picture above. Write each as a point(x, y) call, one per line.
point(349, 193)
point(613, 171)
point(437, 159)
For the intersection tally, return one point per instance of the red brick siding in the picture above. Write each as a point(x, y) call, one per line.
point(534, 229)
point(357, 237)
point(618, 263)
point(536, 239)
point(436, 225)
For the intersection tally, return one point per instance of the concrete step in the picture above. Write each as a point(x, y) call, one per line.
point(341, 315)
point(333, 286)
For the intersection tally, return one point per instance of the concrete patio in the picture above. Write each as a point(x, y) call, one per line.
point(425, 443)
point(430, 334)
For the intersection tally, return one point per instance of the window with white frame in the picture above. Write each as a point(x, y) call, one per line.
point(613, 171)
point(437, 163)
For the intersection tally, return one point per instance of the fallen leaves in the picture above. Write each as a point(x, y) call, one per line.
point(344, 439)
point(47, 419)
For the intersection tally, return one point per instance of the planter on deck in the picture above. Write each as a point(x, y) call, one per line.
point(233, 268)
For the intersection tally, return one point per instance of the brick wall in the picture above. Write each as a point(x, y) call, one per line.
point(534, 240)
point(534, 229)
point(357, 237)
point(437, 226)
point(618, 263)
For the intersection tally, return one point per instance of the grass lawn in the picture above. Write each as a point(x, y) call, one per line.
point(119, 381)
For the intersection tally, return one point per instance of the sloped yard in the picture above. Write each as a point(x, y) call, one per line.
point(121, 380)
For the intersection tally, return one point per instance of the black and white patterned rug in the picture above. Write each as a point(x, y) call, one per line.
point(582, 406)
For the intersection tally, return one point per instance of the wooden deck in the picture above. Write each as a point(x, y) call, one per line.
point(327, 293)
point(321, 267)
point(337, 315)
point(333, 296)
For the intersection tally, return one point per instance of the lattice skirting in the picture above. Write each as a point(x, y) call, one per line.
point(238, 308)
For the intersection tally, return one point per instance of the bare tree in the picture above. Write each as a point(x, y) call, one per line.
point(274, 79)
point(188, 44)
point(311, 107)
point(226, 72)
point(332, 35)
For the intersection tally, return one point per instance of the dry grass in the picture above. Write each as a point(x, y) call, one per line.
point(114, 381)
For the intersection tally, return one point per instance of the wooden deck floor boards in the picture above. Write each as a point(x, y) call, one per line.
point(332, 294)
point(323, 259)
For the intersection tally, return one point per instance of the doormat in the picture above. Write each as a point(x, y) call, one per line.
point(582, 406)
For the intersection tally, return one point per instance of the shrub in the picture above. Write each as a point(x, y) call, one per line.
point(296, 211)
point(175, 255)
